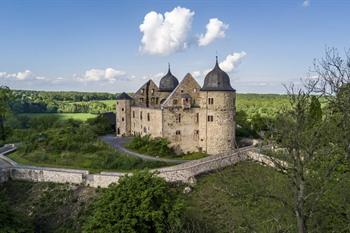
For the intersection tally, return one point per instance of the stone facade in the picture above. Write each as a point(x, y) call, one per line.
point(191, 117)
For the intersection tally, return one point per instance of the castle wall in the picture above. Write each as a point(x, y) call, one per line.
point(149, 95)
point(144, 126)
point(187, 140)
point(217, 135)
point(123, 123)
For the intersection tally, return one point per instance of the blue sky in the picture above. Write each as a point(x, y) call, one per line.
point(100, 46)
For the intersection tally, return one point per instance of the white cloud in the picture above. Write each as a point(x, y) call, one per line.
point(232, 61)
point(196, 74)
point(108, 74)
point(166, 34)
point(306, 3)
point(25, 75)
point(215, 29)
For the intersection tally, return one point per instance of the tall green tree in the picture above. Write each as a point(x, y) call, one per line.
point(4, 109)
point(141, 203)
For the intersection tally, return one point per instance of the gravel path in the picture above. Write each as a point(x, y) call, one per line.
point(119, 142)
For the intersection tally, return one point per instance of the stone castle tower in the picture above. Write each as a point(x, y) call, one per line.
point(217, 124)
point(191, 117)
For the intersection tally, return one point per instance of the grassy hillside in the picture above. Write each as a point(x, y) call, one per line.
point(63, 116)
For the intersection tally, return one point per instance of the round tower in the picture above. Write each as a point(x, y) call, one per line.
point(123, 114)
point(217, 114)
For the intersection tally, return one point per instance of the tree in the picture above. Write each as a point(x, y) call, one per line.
point(140, 203)
point(4, 109)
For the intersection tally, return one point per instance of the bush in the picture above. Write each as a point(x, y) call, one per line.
point(140, 203)
point(154, 147)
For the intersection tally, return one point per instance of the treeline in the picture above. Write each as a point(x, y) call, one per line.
point(23, 101)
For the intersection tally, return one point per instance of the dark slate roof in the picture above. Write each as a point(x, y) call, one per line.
point(217, 80)
point(124, 96)
point(168, 83)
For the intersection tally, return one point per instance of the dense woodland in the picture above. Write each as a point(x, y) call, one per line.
point(305, 191)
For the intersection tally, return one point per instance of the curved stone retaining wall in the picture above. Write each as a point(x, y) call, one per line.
point(185, 172)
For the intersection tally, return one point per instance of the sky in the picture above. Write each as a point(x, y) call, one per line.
point(114, 45)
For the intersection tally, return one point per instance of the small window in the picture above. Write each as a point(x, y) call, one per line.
point(195, 90)
point(182, 91)
point(178, 118)
point(142, 91)
point(196, 134)
point(178, 135)
point(211, 100)
point(197, 117)
point(175, 101)
point(122, 118)
point(122, 109)
point(210, 118)
point(152, 91)
point(148, 117)
point(157, 100)
point(133, 114)
point(140, 115)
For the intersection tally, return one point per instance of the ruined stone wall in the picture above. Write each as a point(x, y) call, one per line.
point(151, 122)
point(217, 135)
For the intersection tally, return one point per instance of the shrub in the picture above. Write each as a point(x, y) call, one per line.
point(148, 145)
point(140, 203)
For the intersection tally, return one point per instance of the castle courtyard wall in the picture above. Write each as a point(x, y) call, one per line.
point(145, 126)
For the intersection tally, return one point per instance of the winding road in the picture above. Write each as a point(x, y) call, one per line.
point(119, 142)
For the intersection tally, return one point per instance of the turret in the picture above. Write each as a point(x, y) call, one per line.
point(123, 114)
point(217, 114)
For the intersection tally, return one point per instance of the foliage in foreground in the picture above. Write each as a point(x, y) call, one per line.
point(141, 203)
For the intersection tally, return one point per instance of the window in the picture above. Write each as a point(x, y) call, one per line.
point(196, 134)
point(175, 101)
point(182, 91)
point(210, 118)
point(122, 109)
point(122, 118)
point(178, 118)
point(197, 117)
point(152, 100)
point(133, 114)
point(152, 91)
point(142, 91)
point(195, 90)
point(157, 100)
point(141, 100)
point(178, 135)
point(148, 117)
point(211, 100)
point(140, 115)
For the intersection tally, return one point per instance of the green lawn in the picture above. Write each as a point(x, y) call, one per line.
point(63, 116)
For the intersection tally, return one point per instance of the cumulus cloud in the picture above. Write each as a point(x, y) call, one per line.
point(108, 74)
point(215, 29)
point(23, 75)
point(232, 61)
point(306, 3)
point(165, 34)
point(196, 74)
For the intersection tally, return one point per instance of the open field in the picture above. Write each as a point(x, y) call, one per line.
point(63, 116)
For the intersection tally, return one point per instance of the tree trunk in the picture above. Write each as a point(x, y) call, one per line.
point(299, 210)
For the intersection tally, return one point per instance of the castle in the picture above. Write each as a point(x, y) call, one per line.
point(191, 117)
